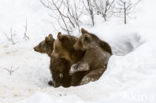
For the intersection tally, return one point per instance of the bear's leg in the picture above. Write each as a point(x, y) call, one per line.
point(78, 67)
point(92, 76)
point(77, 77)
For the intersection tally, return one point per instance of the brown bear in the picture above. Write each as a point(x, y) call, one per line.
point(63, 48)
point(95, 60)
point(59, 67)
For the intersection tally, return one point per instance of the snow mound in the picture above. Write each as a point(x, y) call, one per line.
point(40, 97)
point(123, 39)
point(126, 44)
point(128, 76)
point(132, 66)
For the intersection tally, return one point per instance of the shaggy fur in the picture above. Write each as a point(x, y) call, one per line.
point(95, 60)
point(59, 67)
point(63, 48)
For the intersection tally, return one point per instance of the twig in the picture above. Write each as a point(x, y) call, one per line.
point(12, 36)
point(11, 70)
point(26, 37)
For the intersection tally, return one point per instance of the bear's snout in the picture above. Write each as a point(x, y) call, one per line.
point(36, 49)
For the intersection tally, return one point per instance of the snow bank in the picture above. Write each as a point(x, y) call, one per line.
point(129, 77)
point(44, 98)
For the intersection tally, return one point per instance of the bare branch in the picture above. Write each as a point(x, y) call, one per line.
point(90, 11)
point(26, 37)
point(104, 7)
point(66, 12)
point(11, 36)
point(124, 8)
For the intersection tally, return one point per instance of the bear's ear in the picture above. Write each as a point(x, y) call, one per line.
point(87, 37)
point(50, 36)
point(83, 31)
point(59, 35)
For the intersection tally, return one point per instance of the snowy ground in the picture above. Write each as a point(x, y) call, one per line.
point(131, 73)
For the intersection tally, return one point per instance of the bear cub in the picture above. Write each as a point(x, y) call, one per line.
point(63, 48)
point(95, 59)
point(59, 68)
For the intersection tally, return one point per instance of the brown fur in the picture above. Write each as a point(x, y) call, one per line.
point(97, 54)
point(63, 48)
point(45, 46)
point(59, 67)
point(89, 39)
point(60, 72)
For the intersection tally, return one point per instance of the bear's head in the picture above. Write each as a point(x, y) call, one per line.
point(84, 41)
point(88, 40)
point(45, 46)
point(63, 47)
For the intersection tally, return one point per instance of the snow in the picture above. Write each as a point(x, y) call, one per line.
point(130, 76)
